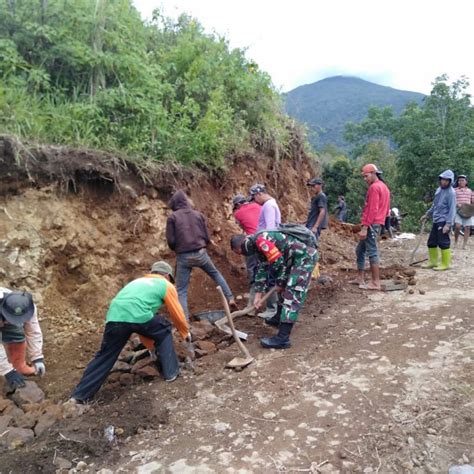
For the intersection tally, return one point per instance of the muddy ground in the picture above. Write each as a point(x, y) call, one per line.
point(374, 382)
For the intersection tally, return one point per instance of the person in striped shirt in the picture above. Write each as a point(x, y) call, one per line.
point(464, 195)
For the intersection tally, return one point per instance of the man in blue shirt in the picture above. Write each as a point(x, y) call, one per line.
point(442, 211)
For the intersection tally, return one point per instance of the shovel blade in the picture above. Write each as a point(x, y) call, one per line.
point(240, 362)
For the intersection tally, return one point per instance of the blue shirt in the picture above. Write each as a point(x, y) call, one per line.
point(443, 208)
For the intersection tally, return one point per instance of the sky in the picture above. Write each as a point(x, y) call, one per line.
point(403, 44)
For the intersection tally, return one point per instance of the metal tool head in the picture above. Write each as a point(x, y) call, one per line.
point(239, 362)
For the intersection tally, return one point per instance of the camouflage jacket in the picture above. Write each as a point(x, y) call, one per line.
point(280, 252)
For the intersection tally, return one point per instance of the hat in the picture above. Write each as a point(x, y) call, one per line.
point(461, 176)
point(257, 188)
point(314, 182)
point(369, 168)
point(17, 307)
point(236, 241)
point(163, 268)
point(238, 199)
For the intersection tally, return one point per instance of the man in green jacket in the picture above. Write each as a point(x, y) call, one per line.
point(134, 310)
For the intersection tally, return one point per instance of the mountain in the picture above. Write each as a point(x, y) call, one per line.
point(327, 105)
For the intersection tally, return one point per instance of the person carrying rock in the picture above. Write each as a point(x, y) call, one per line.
point(135, 310)
point(20, 336)
point(292, 261)
point(442, 211)
point(246, 215)
point(376, 209)
point(187, 235)
point(464, 195)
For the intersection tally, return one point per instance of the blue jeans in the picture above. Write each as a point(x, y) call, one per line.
point(185, 262)
point(368, 246)
point(114, 339)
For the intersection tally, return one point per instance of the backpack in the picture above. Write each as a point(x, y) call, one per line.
point(300, 232)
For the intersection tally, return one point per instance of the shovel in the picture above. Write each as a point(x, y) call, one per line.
point(418, 242)
point(222, 323)
point(236, 362)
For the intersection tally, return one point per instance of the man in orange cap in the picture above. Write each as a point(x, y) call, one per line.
point(376, 208)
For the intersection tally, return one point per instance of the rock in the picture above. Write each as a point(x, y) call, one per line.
point(202, 329)
point(30, 393)
point(141, 363)
point(126, 379)
point(269, 415)
point(464, 469)
point(105, 471)
point(27, 420)
point(409, 272)
point(411, 291)
point(412, 281)
point(73, 263)
point(150, 468)
point(62, 463)
point(148, 372)
point(45, 422)
point(121, 367)
point(115, 377)
point(324, 280)
point(221, 427)
point(16, 437)
point(5, 403)
point(81, 466)
point(432, 431)
point(4, 422)
point(206, 346)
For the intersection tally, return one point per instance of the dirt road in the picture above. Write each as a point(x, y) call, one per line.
point(374, 382)
point(378, 382)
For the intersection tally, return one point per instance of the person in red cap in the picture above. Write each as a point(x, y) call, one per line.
point(376, 208)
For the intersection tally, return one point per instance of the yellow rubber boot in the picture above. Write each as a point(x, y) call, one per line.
point(445, 260)
point(16, 353)
point(433, 258)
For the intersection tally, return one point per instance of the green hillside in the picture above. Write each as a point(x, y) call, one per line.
point(327, 105)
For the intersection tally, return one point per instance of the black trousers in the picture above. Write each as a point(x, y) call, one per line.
point(114, 339)
point(437, 238)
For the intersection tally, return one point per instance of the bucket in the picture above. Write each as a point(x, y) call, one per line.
point(211, 316)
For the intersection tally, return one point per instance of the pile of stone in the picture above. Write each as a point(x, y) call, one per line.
point(136, 364)
point(26, 414)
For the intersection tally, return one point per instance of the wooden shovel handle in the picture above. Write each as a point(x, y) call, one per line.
point(231, 324)
point(243, 312)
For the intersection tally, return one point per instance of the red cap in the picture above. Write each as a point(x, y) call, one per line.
point(369, 168)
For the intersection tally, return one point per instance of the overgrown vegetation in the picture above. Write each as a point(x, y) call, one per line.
point(91, 72)
point(411, 149)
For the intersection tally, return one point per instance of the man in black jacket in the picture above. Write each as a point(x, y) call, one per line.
point(188, 236)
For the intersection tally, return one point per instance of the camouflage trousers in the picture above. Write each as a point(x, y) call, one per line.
point(294, 293)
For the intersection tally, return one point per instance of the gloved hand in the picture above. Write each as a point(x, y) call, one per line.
point(15, 380)
point(446, 228)
point(39, 366)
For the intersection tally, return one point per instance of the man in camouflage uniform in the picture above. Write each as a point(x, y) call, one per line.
point(293, 262)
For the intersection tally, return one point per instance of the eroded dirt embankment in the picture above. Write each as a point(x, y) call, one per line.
point(77, 225)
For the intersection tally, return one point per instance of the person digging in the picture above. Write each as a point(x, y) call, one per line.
point(134, 310)
point(20, 338)
point(292, 262)
point(442, 211)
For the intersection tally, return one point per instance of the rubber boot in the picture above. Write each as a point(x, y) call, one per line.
point(445, 260)
point(281, 340)
point(433, 258)
point(16, 353)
